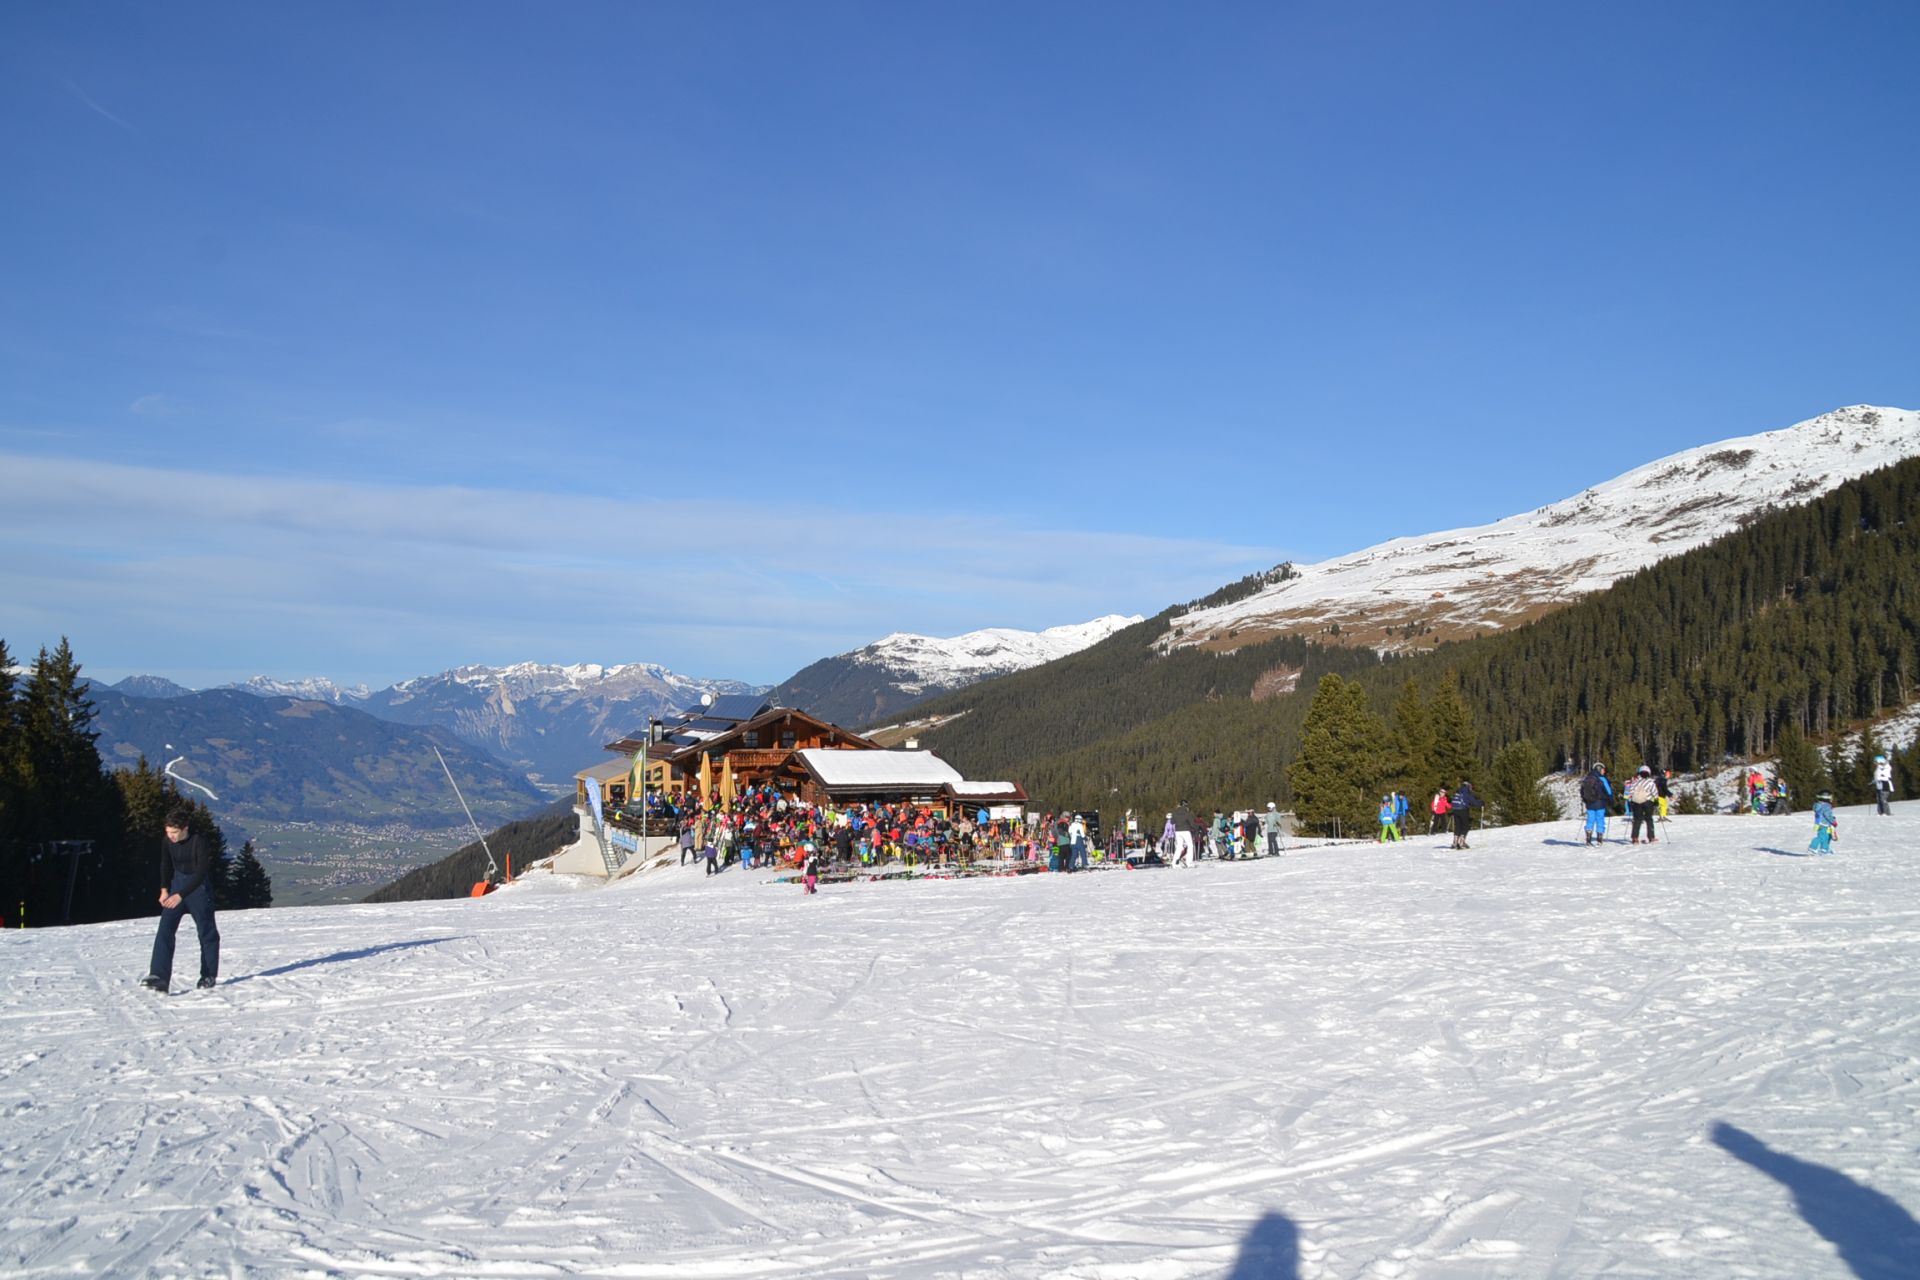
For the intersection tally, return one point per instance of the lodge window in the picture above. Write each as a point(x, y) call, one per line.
point(750, 739)
point(787, 739)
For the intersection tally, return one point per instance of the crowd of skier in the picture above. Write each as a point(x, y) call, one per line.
point(764, 827)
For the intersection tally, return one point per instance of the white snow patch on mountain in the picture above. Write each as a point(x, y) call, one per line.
point(1492, 575)
point(522, 679)
point(921, 662)
point(312, 689)
point(1539, 1059)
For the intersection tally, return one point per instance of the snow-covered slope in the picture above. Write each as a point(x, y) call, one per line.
point(870, 683)
point(1415, 592)
point(1534, 1059)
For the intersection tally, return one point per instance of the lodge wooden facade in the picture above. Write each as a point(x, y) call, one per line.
point(722, 760)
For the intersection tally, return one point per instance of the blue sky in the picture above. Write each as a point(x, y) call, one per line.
point(368, 340)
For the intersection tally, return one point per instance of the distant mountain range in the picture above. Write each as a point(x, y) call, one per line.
point(290, 759)
point(549, 721)
point(870, 684)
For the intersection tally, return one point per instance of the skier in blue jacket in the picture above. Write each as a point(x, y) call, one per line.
point(1823, 824)
point(1596, 796)
point(1389, 820)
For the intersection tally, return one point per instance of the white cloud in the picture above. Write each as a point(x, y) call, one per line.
point(156, 405)
point(399, 580)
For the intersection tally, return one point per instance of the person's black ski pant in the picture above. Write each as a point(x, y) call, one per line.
point(199, 904)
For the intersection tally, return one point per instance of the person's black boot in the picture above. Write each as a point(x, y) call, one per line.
point(153, 983)
point(204, 983)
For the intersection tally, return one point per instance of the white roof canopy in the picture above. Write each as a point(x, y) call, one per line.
point(878, 768)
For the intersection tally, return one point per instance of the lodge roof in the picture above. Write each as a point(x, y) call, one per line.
point(985, 790)
point(683, 742)
point(604, 772)
point(842, 770)
point(732, 708)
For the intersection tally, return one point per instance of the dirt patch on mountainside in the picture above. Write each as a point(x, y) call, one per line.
point(1390, 625)
point(1273, 683)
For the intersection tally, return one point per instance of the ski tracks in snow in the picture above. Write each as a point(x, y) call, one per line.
point(1503, 1064)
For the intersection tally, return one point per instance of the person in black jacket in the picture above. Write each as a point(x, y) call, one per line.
point(1464, 803)
point(185, 863)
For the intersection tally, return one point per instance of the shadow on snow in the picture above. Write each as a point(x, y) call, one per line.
point(1877, 1238)
point(1270, 1251)
point(340, 957)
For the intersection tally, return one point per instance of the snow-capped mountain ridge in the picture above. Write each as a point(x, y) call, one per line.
point(1414, 592)
point(545, 677)
point(931, 660)
point(871, 683)
point(310, 689)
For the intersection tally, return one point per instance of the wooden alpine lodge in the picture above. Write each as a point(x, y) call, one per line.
point(736, 743)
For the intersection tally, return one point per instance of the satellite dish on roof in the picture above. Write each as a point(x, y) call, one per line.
point(706, 699)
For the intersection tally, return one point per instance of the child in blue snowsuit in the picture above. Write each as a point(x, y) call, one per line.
point(1823, 824)
point(1389, 820)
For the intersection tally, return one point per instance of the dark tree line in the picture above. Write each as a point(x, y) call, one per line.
point(524, 842)
point(78, 843)
point(1804, 623)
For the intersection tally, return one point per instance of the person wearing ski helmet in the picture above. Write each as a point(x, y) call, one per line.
point(1596, 794)
point(1825, 826)
point(1463, 803)
point(1183, 832)
point(1883, 786)
point(1389, 819)
point(1641, 795)
point(1270, 825)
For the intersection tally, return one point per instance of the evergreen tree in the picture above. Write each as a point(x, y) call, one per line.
point(1906, 772)
point(1800, 766)
point(1862, 782)
point(63, 797)
point(145, 797)
point(251, 885)
point(1693, 800)
point(1515, 792)
point(1844, 771)
point(13, 856)
point(1454, 753)
point(1342, 759)
point(56, 734)
point(1413, 743)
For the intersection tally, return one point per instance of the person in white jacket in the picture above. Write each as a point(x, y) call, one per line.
point(1883, 785)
